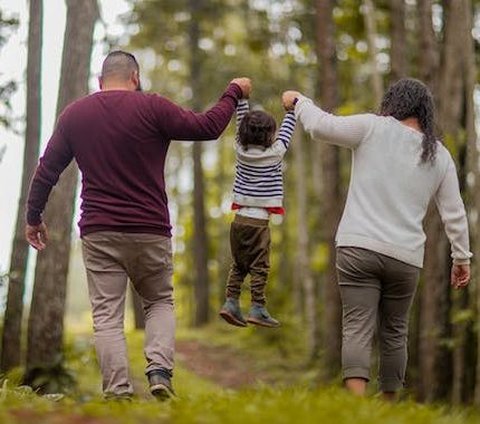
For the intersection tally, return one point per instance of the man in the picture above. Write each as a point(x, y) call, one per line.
point(119, 138)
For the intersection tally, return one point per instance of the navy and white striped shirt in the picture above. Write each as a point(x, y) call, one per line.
point(258, 178)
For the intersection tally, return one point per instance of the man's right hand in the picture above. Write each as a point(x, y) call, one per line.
point(460, 276)
point(37, 236)
point(245, 84)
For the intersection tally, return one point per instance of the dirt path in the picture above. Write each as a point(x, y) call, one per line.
point(222, 365)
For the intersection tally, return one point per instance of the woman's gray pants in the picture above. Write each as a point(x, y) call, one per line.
point(377, 292)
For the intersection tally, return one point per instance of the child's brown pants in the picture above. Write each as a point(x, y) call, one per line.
point(250, 246)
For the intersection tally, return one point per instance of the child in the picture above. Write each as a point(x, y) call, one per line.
point(257, 193)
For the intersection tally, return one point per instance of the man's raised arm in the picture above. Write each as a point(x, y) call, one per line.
point(181, 124)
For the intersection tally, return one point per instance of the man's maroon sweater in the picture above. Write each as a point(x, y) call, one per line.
point(120, 140)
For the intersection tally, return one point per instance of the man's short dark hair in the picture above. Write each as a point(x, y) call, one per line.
point(119, 64)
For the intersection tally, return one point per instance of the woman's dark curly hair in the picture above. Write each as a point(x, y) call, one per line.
point(257, 128)
point(411, 98)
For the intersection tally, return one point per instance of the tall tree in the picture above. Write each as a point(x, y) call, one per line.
point(428, 51)
point(45, 327)
point(302, 259)
point(398, 40)
point(200, 241)
point(329, 157)
point(371, 27)
point(474, 157)
point(450, 105)
point(431, 292)
point(12, 327)
point(439, 371)
point(469, 164)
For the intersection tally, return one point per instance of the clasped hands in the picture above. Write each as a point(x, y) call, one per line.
point(288, 97)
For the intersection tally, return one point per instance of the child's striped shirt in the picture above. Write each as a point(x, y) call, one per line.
point(258, 178)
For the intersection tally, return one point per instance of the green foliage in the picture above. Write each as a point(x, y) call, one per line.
point(202, 401)
point(7, 25)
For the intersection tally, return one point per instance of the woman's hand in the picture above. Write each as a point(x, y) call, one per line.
point(288, 99)
point(460, 276)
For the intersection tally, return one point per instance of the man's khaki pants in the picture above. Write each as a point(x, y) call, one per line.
point(110, 259)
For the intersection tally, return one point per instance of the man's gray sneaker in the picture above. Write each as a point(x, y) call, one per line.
point(160, 385)
point(231, 312)
point(259, 316)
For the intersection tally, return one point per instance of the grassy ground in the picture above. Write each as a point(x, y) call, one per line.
point(201, 400)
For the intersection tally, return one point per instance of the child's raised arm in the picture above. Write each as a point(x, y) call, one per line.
point(242, 109)
point(286, 129)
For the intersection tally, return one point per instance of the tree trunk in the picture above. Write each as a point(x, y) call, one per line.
point(202, 292)
point(12, 327)
point(428, 49)
point(430, 292)
point(222, 234)
point(432, 297)
point(473, 155)
point(434, 362)
point(450, 79)
point(45, 329)
point(325, 37)
point(398, 40)
point(371, 27)
point(460, 384)
point(302, 261)
point(451, 97)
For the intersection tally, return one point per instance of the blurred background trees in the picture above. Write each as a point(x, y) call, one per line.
point(341, 53)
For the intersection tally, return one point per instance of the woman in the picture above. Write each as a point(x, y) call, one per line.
point(398, 166)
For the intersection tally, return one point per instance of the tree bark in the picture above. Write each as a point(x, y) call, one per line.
point(371, 27)
point(435, 362)
point(430, 292)
point(432, 297)
point(45, 329)
point(202, 289)
point(302, 261)
point(428, 48)
point(12, 327)
point(470, 73)
point(470, 81)
point(451, 101)
point(325, 43)
point(398, 40)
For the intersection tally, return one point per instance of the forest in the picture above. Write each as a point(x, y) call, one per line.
point(343, 54)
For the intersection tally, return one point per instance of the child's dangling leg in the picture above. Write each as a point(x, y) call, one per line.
point(230, 311)
point(259, 269)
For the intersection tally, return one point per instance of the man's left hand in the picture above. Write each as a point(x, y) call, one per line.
point(37, 235)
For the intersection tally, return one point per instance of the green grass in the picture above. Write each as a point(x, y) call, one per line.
point(202, 401)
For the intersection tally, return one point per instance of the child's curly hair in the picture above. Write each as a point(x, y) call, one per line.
point(257, 128)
